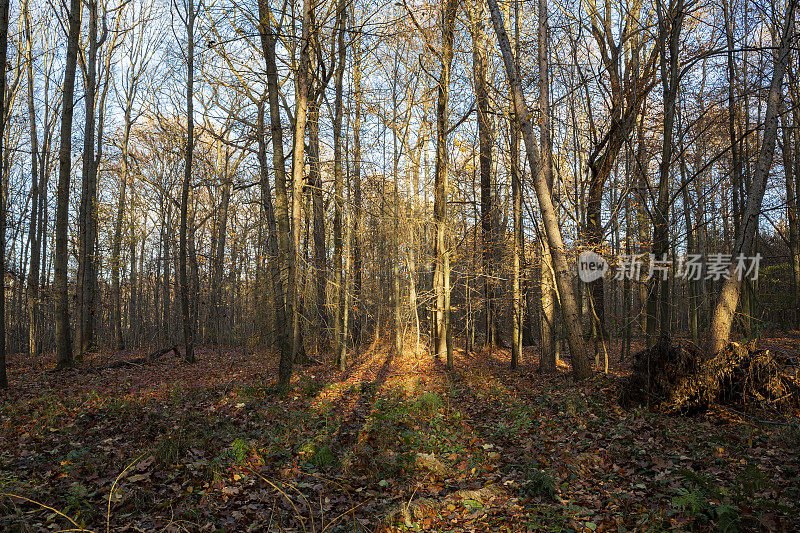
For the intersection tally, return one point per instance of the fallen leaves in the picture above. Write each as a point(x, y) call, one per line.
point(397, 443)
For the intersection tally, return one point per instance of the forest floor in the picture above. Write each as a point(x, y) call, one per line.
point(393, 444)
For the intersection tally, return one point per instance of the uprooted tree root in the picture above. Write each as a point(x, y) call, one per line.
point(676, 377)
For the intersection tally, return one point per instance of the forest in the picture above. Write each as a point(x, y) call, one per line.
point(351, 265)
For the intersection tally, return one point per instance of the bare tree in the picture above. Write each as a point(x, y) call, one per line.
point(188, 333)
point(63, 335)
point(728, 299)
point(580, 364)
point(4, 8)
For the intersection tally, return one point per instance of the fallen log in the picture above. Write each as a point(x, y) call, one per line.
point(676, 377)
point(138, 361)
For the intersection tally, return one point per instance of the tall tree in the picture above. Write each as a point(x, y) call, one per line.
point(670, 24)
point(87, 214)
point(35, 232)
point(443, 347)
point(479, 64)
point(4, 8)
point(302, 79)
point(188, 333)
point(340, 340)
point(547, 363)
point(569, 309)
point(284, 305)
point(728, 299)
point(63, 334)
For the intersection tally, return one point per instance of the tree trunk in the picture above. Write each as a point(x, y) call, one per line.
point(4, 8)
point(116, 260)
point(725, 308)
point(318, 209)
point(301, 110)
point(285, 257)
point(34, 346)
point(477, 29)
point(547, 362)
point(63, 335)
point(580, 364)
point(340, 343)
point(791, 207)
point(87, 216)
point(444, 349)
point(273, 252)
point(670, 25)
point(188, 334)
point(358, 219)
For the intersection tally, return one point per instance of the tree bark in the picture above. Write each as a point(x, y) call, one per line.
point(284, 306)
point(301, 111)
point(580, 364)
point(340, 343)
point(87, 216)
point(477, 29)
point(444, 349)
point(725, 308)
point(34, 237)
point(188, 333)
point(547, 362)
point(4, 9)
point(63, 336)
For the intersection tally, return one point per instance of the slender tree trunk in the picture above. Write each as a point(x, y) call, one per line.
point(580, 364)
point(791, 207)
point(358, 218)
point(725, 308)
point(301, 110)
point(547, 363)
point(670, 25)
point(340, 343)
point(273, 247)
point(87, 217)
point(4, 8)
point(795, 99)
point(219, 254)
point(442, 271)
point(63, 336)
point(34, 237)
point(318, 208)
point(116, 259)
point(476, 16)
point(285, 253)
point(188, 334)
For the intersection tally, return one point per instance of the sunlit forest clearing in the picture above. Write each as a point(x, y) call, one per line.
point(342, 265)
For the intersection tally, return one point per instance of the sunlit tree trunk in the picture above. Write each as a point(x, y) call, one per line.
point(516, 199)
point(340, 343)
point(63, 335)
point(580, 364)
point(358, 218)
point(4, 9)
point(547, 363)
point(35, 239)
point(301, 111)
point(728, 299)
point(188, 333)
point(444, 349)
